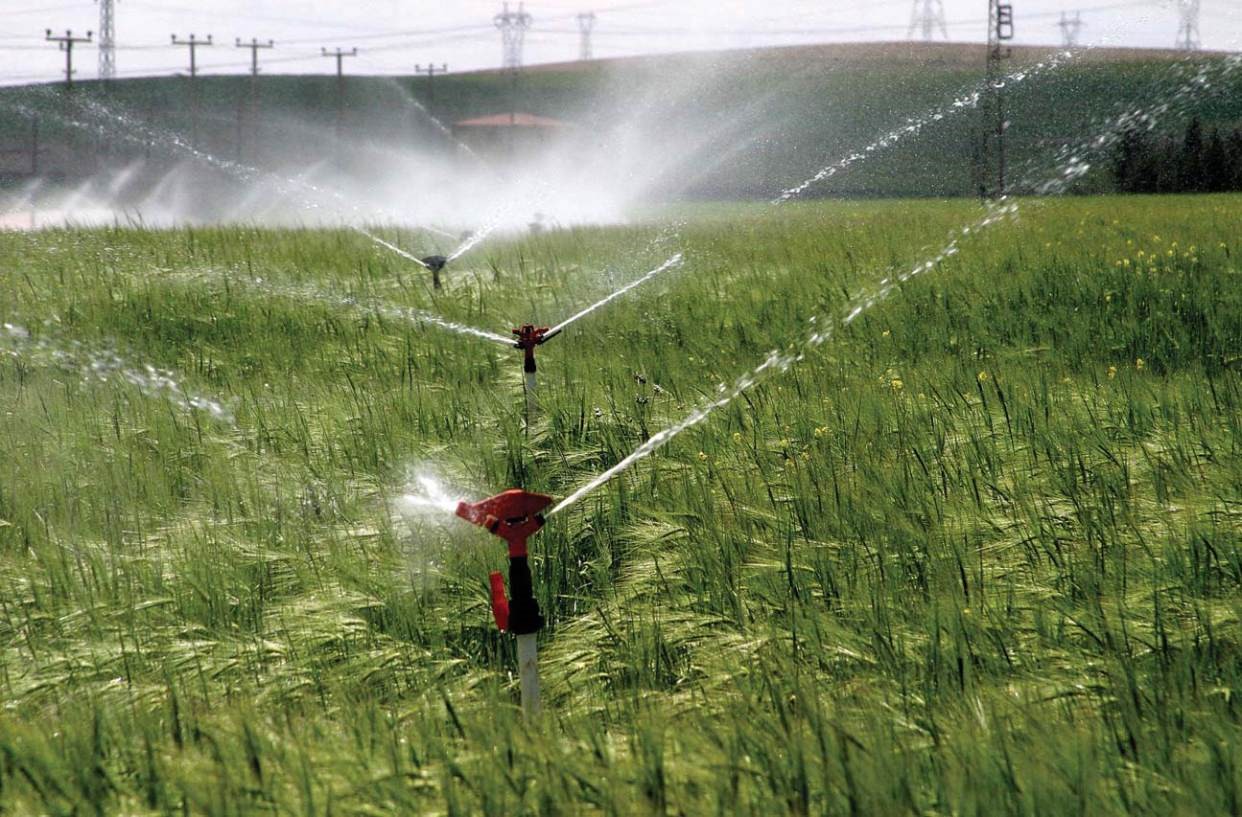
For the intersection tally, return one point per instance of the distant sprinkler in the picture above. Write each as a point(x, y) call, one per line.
point(513, 26)
point(515, 516)
point(928, 16)
point(586, 26)
point(435, 263)
point(530, 336)
point(1188, 25)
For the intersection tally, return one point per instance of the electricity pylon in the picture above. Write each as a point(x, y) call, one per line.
point(992, 178)
point(1188, 25)
point(927, 16)
point(513, 26)
point(107, 40)
point(586, 25)
point(1071, 28)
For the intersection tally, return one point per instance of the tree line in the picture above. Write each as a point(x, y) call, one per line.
point(1195, 162)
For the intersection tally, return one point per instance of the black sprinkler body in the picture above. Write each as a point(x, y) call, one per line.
point(435, 263)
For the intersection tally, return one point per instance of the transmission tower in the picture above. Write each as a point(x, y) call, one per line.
point(927, 16)
point(513, 26)
point(993, 158)
point(1070, 27)
point(1188, 25)
point(107, 40)
point(586, 25)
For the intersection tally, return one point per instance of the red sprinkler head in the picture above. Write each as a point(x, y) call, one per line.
point(528, 337)
point(513, 516)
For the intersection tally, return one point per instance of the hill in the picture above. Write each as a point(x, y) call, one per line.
point(756, 120)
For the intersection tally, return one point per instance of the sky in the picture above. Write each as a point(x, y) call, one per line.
point(393, 36)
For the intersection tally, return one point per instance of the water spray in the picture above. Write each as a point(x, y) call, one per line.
point(515, 516)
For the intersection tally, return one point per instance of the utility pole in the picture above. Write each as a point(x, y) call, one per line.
point(513, 26)
point(1070, 27)
point(193, 43)
point(430, 72)
point(927, 16)
point(66, 44)
point(1188, 25)
point(339, 55)
point(586, 26)
point(255, 47)
point(107, 41)
point(1000, 32)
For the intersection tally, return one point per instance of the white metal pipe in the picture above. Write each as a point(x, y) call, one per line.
point(531, 403)
point(528, 673)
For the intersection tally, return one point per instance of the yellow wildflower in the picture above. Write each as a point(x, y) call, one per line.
point(1140, 364)
point(1112, 372)
point(982, 377)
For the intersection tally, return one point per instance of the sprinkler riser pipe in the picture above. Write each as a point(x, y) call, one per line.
point(528, 674)
point(531, 402)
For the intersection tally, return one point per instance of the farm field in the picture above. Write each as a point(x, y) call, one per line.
point(979, 552)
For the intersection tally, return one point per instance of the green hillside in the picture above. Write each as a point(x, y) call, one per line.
point(767, 118)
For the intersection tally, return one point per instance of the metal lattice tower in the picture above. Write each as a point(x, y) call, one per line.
point(586, 25)
point(513, 26)
point(1188, 25)
point(927, 16)
point(992, 181)
point(107, 40)
point(1071, 28)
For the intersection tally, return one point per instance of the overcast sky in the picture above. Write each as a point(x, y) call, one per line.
point(394, 35)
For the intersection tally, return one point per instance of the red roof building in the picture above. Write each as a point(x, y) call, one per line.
point(508, 133)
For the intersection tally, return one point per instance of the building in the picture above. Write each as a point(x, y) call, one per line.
point(508, 133)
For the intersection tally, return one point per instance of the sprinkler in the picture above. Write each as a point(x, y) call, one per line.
point(515, 516)
point(528, 337)
point(435, 263)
